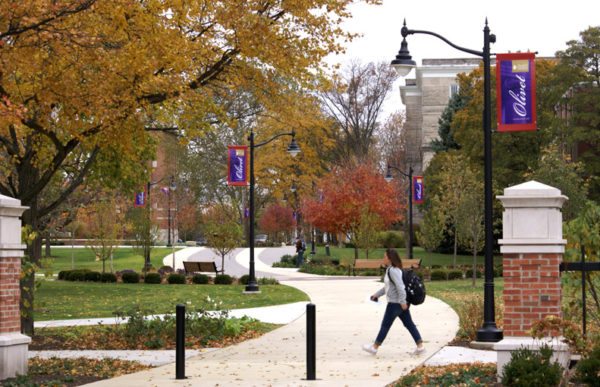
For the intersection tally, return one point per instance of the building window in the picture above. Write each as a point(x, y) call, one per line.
point(453, 90)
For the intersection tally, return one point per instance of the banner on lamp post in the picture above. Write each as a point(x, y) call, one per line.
point(515, 92)
point(417, 189)
point(237, 165)
point(140, 199)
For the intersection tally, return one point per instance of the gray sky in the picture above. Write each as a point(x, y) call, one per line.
point(519, 25)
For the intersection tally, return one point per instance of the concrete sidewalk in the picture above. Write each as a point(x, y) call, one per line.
point(345, 321)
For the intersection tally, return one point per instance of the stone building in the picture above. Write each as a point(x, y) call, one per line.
point(425, 98)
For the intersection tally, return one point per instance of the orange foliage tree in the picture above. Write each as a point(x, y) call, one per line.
point(278, 221)
point(346, 194)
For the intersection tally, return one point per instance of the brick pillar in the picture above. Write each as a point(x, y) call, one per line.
point(532, 248)
point(13, 344)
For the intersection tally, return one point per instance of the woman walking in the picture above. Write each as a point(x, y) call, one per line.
point(397, 305)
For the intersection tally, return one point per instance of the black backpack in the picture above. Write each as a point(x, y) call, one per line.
point(415, 289)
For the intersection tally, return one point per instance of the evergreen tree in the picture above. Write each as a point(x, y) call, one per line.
point(446, 139)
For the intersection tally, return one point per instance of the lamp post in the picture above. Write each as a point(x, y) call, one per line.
point(292, 149)
point(403, 63)
point(409, 175)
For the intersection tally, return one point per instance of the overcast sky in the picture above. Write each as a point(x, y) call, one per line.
point(519, 25)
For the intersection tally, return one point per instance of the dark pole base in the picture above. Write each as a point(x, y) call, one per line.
point(489, 334)
point(252, 288)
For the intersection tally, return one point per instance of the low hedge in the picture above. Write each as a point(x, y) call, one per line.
point(455, 274)
point(439, 275)
point(130, 277)
point(223, 279)
point(152, 278)
point(108, 277)
point(200, 279)
point(93, 276)
point(176, 279)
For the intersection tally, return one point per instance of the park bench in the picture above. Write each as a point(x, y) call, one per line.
point(192, 267)
point(378, 264)
point(367, 264)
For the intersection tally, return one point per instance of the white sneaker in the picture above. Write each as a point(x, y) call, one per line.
point(419, 351)
point(369, 348)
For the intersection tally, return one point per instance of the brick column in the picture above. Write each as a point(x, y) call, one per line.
point(532, 248)
point(13, 344)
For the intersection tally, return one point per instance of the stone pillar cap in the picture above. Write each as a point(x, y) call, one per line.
point(532, 194)
point(7, 201)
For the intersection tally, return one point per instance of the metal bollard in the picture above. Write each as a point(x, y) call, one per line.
point(180, 342)
point(311, 342)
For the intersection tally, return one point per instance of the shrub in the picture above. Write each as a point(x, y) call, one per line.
point(93, 276)
point(391, 239)
point(130, 277)
point(244, 279)
point(108, 277)
point(76, 275)
point(498, 271)
point(436, 266)
point(588, 368)
point(223, 279)
point(531, 368)
point(152, 278)
point(439, 275)
point(200, 279)
point(62, 275)
point(174, 278)
point(455, 274)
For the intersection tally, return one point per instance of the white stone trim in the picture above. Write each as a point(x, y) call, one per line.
point(13, 354)
point(532, 249)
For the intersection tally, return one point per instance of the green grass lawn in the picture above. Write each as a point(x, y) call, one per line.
point(455, 292)
point(429, 259)
point(123, 258)
point(57, 300)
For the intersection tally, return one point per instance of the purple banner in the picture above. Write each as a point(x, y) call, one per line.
point(140, 199)
point(515, 92)
point(237, 165)
point(418, 189)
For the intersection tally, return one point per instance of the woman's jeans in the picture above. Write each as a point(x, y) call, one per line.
point(392, 311)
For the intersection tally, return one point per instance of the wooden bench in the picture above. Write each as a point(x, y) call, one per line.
point(200, 267)
point(411, 263)
point(367, 264)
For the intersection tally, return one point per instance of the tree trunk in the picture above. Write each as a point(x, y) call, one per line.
point(33, 254)
point(47, 252)
point(474, 263)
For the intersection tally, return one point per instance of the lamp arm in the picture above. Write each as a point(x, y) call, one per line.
point(293, 134)
point(399, 170)
point(467, 50)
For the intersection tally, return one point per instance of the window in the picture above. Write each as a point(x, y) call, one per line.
point(453, 90)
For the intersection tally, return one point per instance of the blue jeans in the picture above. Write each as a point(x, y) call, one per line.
point(392, 311)
point(300, 258)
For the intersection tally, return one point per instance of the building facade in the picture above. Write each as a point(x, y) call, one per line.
point(425, 97)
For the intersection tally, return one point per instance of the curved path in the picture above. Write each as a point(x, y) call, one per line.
point(345, 320)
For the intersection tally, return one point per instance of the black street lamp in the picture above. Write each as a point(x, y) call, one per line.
point(292, 149)
point(403, 63)
point(409, 175)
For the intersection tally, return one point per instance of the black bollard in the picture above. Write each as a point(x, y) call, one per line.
point(311, 342)
point(180, 342)
point(327, 252)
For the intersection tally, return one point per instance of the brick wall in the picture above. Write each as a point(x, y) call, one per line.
point(531, 290)
point(10, 269)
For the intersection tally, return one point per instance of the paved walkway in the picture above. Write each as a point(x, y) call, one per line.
point(345, 320)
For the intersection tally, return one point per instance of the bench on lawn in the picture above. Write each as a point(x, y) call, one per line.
point(367, 264)
point(378, 264)
point(192, 267)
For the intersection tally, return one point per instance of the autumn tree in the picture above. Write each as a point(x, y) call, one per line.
point(223, 231)
point(104, 224)
point(354, 102)
point(469, 221)
point(348, 195)
point(82, 82)
point(367, 230)
point(278, 221)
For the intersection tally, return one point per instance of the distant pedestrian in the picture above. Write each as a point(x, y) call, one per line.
point(300, 248)
point(397, 305)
